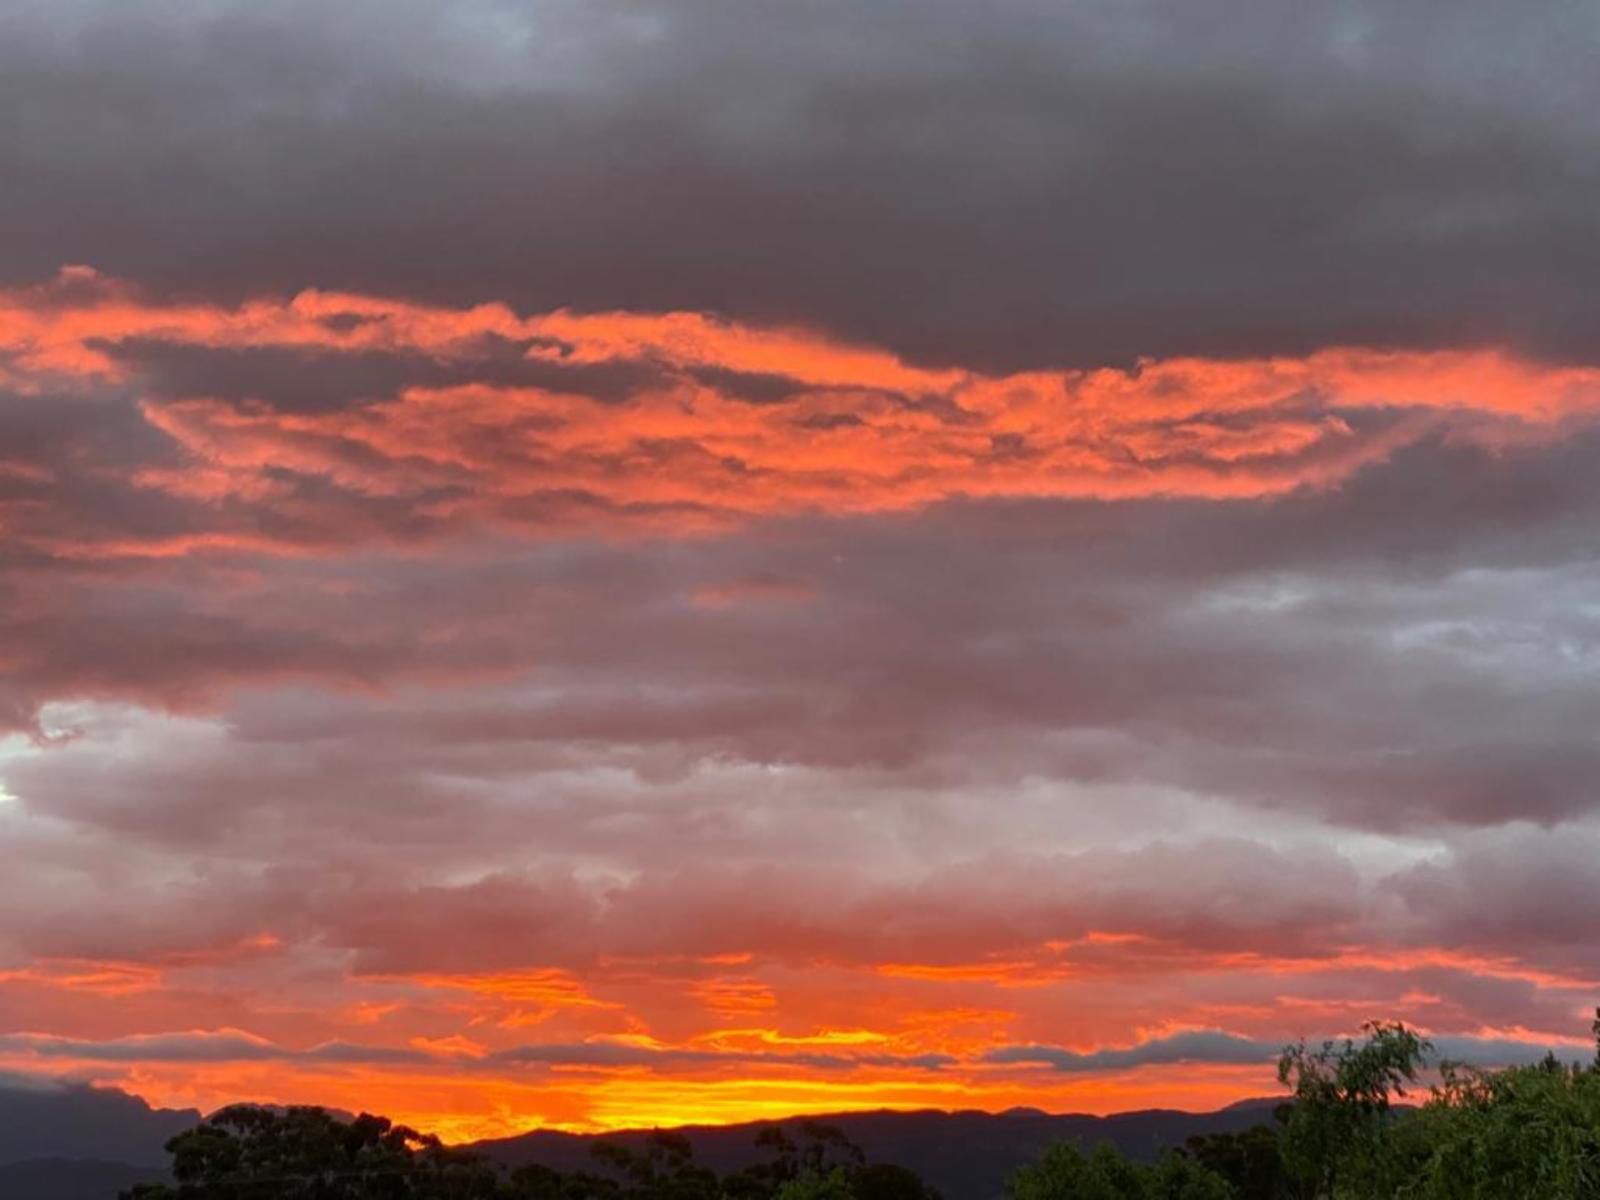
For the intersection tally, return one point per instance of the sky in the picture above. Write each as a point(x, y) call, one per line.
point(602, 563)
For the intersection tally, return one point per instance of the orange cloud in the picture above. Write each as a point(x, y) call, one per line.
point(93, 978)
point(851, 429)
point(461, 1068)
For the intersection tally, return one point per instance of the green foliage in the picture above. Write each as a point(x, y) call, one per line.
point(812, 1185)
point(1526, 1133)
point(1332, 1136)
point(1178, 1177)
point(1529, 1131)
point(1066, 1173)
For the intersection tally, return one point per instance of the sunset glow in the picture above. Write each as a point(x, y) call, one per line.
point(545, 584)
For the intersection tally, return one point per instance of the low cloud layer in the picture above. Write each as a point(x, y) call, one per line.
point(1214, 1046)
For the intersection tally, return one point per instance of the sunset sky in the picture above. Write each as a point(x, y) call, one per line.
point(599, 563)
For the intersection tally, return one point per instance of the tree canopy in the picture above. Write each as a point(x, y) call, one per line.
point(252, 1153)
point(1347, 1133)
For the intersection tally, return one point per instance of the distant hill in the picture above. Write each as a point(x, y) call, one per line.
point(72, 1179)
point(966, 1155)
point(67, 1120)
point(75, 1142)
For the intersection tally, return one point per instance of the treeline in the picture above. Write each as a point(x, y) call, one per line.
point(252, 1153)
point(1349, 1132)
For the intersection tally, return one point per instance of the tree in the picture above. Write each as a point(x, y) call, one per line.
point(885, 1181)
point(251, 1153)
point(1526, 1131)
point(817, 1152)
point(1178, 1177)
point(1332, 1132)
point(664, 1170)
point(1249, 1161)
point(538, 1182)
point(816, 1185)
point(1066, 1173)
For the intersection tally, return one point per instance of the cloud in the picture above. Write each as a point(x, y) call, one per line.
point(618, 1054)
point(1034, 186)
point(1208, 1046)
point(1216, 1046)
point(1201, 1045)
point(337, 422)
point(549, 531)
point(235, 1046)
point(201, 1046)
point(402, 427)
point(198, 1046)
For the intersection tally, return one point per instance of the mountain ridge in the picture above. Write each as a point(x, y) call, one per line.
point(77, 1142)
point(966, 1154)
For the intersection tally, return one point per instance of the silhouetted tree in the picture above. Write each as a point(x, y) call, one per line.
point(252, 1153)
point(886, 1181)
point(663, 1170)
point(833, 1184)
point(1066, 1173)
point(538, 1182)
point(1249, 1160)
point(816, 1156)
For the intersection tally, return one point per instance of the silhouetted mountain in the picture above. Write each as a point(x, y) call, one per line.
point(72, 1179)
point(41, 1120)
point(966, 1155)
point(76, 1142)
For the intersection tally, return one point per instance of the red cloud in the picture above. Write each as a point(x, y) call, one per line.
point(835, 428)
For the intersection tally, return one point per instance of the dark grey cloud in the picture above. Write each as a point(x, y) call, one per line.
point(229, 1046)
point(303, 379)
point(204, 1046)
point(1021, 183)
point(1201, 1045)
point(1515, 886)
point(1190, 1046)
point(1216, 1046)
point(224, 1046)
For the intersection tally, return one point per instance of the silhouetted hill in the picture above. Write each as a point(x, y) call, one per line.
point(62, 1120)
point(76, 1142)
point(72, 1179)
point(966, 1155)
